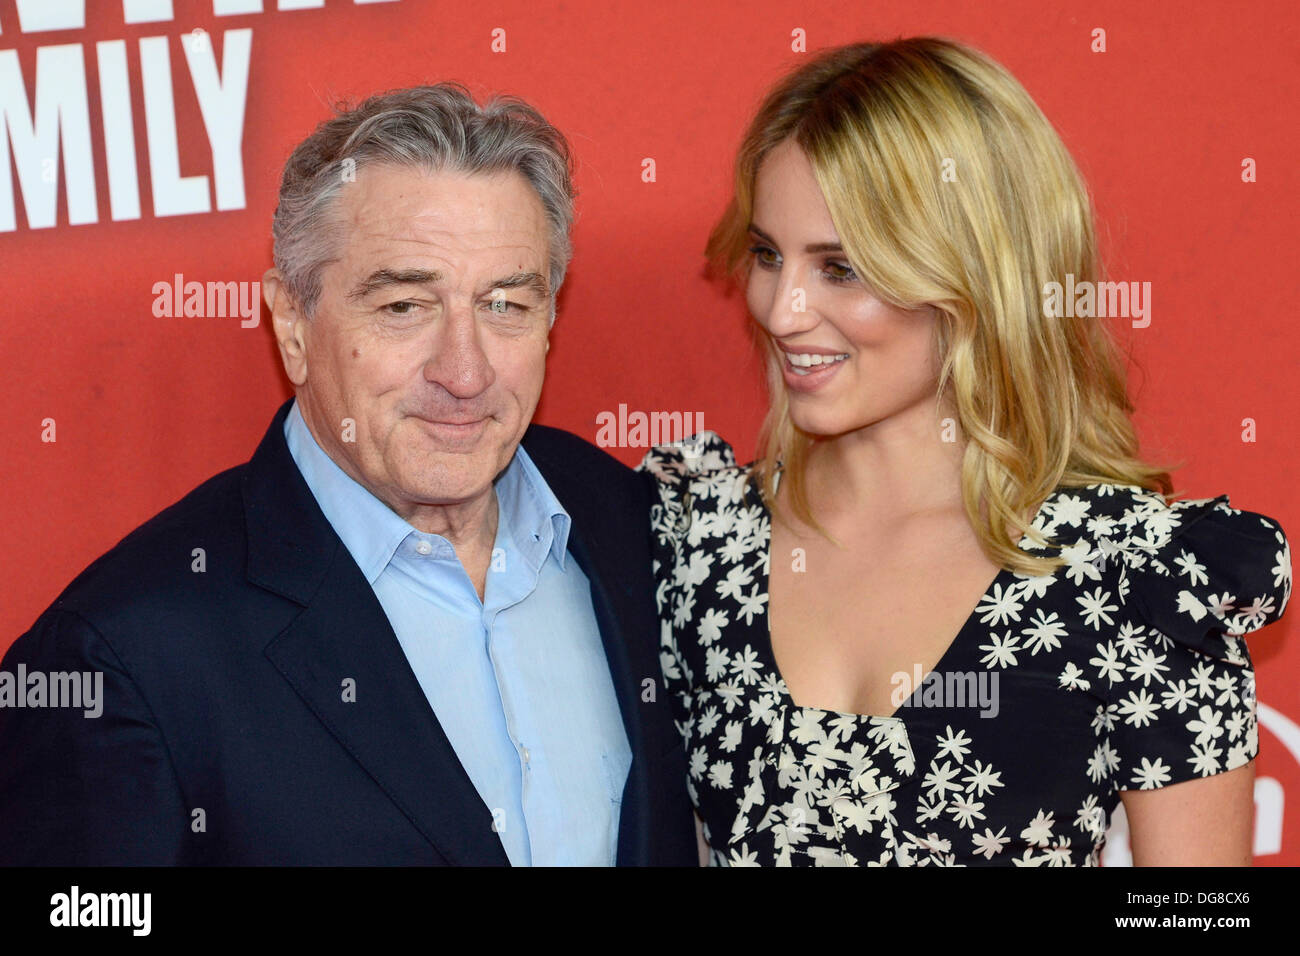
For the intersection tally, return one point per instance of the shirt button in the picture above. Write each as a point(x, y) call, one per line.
point(526, 755)
point(424, 547)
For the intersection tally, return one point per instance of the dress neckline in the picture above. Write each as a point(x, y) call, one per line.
point(1005, 577)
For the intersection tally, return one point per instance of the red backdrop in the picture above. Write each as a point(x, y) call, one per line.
point(146, 407)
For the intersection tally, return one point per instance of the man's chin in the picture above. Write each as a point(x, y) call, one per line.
point(449, 477)
point(451, 491)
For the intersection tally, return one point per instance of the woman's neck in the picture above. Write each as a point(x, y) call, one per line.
point(901, 464)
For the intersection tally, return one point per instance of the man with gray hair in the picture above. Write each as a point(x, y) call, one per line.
point(424, 630)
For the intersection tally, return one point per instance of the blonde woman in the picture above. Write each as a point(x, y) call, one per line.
point(948, 616)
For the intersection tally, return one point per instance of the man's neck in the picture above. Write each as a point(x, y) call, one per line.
point(470, 526)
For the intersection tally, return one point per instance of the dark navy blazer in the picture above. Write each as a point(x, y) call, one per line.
point(223, 691)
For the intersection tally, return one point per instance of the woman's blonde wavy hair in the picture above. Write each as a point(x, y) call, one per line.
point(1041, 402)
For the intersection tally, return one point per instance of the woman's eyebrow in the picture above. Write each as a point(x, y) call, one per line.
point(810, 249)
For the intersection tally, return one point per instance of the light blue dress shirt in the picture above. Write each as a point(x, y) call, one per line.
point(519, 680)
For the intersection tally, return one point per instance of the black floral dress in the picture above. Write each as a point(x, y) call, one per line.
point(1124, 669)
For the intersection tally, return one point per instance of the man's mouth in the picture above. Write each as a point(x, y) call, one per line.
point(454, 429)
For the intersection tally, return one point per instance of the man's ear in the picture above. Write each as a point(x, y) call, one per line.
point(290, 325)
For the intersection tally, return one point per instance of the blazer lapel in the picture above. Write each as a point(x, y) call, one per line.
point(343, 635)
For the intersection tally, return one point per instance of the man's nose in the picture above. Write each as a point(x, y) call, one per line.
point(458, 362)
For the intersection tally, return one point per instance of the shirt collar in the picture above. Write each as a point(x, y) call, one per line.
point(530, 517)
point(530, 513)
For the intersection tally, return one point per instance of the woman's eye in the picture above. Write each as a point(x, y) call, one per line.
point(765, 257)
point(840, 272)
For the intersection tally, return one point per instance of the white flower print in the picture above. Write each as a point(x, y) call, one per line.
point(1207, 726)
point(1205, 759)
point(940, 780)
point(1071, 510)
point(982, 779)
point(1129, 639)
point(1044, 632)
point(732, 586)
point(1236, 724)
point(731, 695)
point(1039, 831)
point(745, 666)
point(1189, 566)
point(1104, 719)
point(1096, 610)
point(708, 720)
point(990, 844)
point(966, 810)
point(1177, 695)
point(1258, 610)
point(1091, 816)
point(1150, 775)
point(1139, 708)
point(731, 736)
point(1000, 606)
point(1108, 663)
point(1282, 569)
point(1081, 561)
point(1239, 754)
point(953, 744)
point(710, 625)
point(699, 762)
point(1135, 646)
point(1001, 652)
point(1101, 763)
point(716, 662)
point(750, 604)
point(1058, 854)
point(1147, 665)
point(1226, 691)
point(695, 570)
point(1072, 678)
point(720, 774)
point(762, 710)
point(1034, 587)
point(1202, 679)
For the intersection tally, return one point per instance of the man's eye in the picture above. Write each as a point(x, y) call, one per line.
point(400, 308)
point(505, 306)
point(765, 257)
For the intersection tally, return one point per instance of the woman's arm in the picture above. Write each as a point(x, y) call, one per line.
point(699, 836)
point(1203, 822)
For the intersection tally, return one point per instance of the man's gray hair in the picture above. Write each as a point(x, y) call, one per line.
point(437, 127)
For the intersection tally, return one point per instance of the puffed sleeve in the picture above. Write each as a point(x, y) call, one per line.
point(674, 469)
point(1199, 575)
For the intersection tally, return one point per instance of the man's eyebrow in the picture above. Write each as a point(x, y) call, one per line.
point(384, 278)
point(812, 249)
point(523, 280)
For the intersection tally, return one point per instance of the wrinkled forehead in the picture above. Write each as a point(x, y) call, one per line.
point(470, 220)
